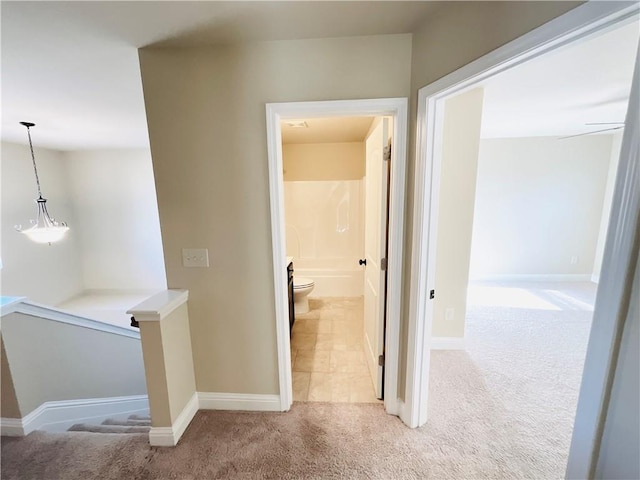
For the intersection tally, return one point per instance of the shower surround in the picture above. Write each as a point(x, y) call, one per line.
point(325, 234)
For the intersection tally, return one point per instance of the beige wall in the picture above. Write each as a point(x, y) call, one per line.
point(55, 361)
point(460, 147)
point(206, 116)
point(178, 358)
point(168, 360)
point(155, 374)
point(323, 161)
point(9, 407)
point(205, 109)
point(458, 34)
point(464, 31)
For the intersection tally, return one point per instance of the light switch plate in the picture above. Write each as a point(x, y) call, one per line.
point(195, 257)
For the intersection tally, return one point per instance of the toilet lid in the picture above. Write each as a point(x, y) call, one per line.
point(299, 282)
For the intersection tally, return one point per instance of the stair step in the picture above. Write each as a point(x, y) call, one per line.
point(140, 417)
point(83, 427)
point(129, 422)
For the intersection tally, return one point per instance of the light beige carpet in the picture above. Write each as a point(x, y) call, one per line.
point(502, 409)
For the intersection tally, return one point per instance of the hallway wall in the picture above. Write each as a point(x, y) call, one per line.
point(212, 180)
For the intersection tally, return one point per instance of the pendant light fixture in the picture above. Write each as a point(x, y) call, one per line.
point(44, 229)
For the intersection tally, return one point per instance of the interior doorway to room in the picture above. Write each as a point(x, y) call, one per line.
point(335, 199)
point(525, 340)
point(540, 204)
point(340, 178)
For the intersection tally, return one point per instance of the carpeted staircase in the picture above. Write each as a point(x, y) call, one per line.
point(133, 424)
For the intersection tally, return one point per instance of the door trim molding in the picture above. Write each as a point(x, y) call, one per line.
point(574, 25)
point(276, 112)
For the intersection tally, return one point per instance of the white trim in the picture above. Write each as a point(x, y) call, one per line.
point(534, 277)
point(239, 401)
point(9, 304)
point(276, 203)
point(170, 436)
point(49, 313)
point(58, 416)
point(595, 278)
point(447, 343)
point(396, 107)
point(12, 427)
point(574, 25)
point(159, 306)
point(162, 437)
point(612, 300)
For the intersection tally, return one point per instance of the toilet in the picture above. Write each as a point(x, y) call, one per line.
point(301, 289)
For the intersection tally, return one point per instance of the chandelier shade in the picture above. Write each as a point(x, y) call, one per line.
point(44, 229)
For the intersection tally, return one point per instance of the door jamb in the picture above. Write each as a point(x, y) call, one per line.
point(576, 24)
point(276, 112)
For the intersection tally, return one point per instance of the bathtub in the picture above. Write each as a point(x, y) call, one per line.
point(334, 277)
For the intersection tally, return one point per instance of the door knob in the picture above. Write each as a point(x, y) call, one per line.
point(362, 261)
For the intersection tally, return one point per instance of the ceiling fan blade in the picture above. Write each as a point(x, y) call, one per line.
point(591, 133)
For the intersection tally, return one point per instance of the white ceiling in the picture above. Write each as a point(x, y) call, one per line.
point(327, 130)
point(558, 93)
point(72, 67)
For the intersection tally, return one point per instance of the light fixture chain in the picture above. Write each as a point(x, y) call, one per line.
point(33, 159)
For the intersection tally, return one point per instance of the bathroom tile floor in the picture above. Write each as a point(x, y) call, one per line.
point(327, 353)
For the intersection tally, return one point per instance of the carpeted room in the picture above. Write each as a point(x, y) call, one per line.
point(487, 415)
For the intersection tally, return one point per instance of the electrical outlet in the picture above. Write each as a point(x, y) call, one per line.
point(448, 314)
point(195, 257)
point(574, 260)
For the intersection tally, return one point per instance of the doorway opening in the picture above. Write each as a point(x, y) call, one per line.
point(517, 295)
point(340, 251)
point(577, 25)
point(336, 213)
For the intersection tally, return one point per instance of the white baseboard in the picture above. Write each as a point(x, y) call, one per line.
point(239, 401)
point(12, 427)
point(595, 278)
point(58, 416)
point(447, 343)
point(169, 436)
point(534, 277)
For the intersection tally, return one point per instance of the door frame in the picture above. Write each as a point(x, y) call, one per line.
point(276, 112)
point(619, 251)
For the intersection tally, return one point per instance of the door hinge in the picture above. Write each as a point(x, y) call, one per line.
point(383, 264)
point(381, 360)
point(432, 294)
point(386, 154)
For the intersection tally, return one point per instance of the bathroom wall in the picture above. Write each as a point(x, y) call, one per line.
point(323, 161)
point(324, 214)
point(324, 219)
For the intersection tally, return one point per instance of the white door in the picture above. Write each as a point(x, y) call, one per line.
point(375, 247)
